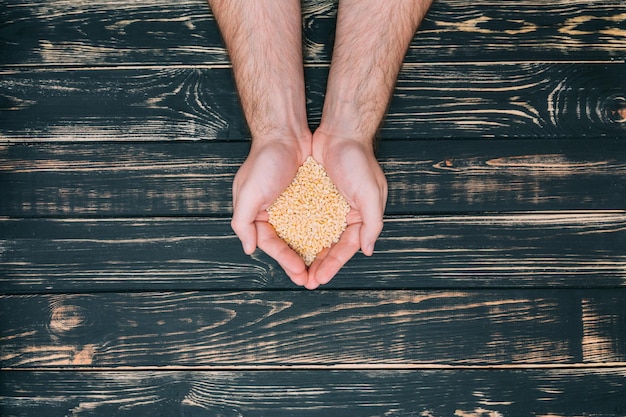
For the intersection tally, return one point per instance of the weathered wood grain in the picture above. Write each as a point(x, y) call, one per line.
point(499, 283)
point(431, 101)
point(515, 100)
point(105, 32)
point(560, 250)
point(427, 393)
point(163, 179)
point(364, 328)
point(170, 103)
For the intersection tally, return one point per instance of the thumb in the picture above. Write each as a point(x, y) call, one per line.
point(369, 234)
point(243, 225)
point(246, 232)
point(372, 226)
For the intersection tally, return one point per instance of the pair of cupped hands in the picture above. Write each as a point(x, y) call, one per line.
point(268, 170)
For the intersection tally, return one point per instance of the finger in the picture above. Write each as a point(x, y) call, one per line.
point(311, 284)
point(319, 258)
point(242, 223)
point(262, 216)
point(246, 232)
point(326, 266)
point(289, 260)
point(353, 216)
point(372, 216)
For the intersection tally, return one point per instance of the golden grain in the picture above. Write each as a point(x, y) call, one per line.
point(310, 214)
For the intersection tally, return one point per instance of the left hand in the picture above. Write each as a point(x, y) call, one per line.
point(352, 166)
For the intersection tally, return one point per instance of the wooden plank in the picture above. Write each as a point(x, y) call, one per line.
point(276, 328)
point(561, 250)
point(169, 103)
point(553, 100)
point(105, 32)
point(508, 100)
point(428, 393)
point(181, 179)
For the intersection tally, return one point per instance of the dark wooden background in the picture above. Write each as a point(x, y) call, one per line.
point(498, 287)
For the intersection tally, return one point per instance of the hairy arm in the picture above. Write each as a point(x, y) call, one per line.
point(371, 41)
point(263, 38)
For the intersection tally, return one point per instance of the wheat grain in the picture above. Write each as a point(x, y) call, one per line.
point(310, 214)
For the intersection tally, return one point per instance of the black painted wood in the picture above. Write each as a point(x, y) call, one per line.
point(497, 287)
point(105, 32)
point(557, 250)
point(505, 392)
point(528, 100)
point(323, 328)
point(452, 176)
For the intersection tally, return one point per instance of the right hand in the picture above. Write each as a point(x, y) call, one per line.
point(268, 170)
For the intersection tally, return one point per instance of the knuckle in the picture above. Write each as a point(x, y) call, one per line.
point(236, 225)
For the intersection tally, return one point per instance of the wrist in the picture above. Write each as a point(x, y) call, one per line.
point(286, 142)
point(348, 121)
point(286, 137)
point(329, 136)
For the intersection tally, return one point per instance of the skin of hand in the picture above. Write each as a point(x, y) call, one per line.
point(372, 37)
point(264, 42)
point(352, 166)
point(267, 171)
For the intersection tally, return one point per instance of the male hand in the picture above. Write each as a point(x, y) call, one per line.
point(269, 169)
point(352, 166)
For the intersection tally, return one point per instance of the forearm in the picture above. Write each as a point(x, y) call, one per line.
point(263, 38)
point(371, 42)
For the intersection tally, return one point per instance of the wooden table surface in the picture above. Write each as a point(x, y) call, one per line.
point(498, 287)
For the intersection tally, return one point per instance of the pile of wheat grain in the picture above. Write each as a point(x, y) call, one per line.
point(310, 214)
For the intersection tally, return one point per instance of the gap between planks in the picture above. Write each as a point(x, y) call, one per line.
point(338, 367)
point(547, 216)
point(11, 68)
